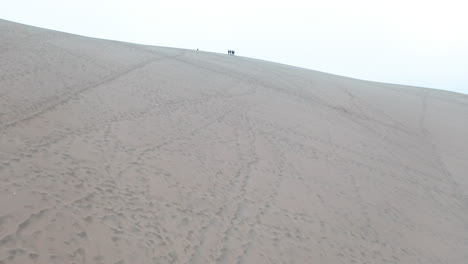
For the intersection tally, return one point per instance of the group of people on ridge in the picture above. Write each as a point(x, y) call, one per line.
point(230, 52)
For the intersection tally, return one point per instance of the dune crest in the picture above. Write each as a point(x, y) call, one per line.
point(114, 152)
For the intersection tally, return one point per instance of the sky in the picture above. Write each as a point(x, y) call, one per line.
point(412, 42)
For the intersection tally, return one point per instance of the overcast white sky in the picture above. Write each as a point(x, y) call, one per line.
point(414, 42)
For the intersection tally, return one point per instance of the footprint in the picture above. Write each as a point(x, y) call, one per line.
point(33, 256)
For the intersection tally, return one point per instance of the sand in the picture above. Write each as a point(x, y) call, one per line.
point(113, 152)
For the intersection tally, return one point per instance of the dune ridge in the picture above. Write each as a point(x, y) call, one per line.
point(114, 152)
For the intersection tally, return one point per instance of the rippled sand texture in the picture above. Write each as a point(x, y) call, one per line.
point(113, 152)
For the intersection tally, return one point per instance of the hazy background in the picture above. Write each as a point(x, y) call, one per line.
point(421, 43)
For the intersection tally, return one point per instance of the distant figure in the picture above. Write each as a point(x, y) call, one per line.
point(232, 52)
point(229, 52)
point(197, 49)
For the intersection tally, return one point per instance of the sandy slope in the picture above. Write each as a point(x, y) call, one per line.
point(120, 153)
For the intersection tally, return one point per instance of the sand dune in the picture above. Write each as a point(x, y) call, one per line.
point(113, 152)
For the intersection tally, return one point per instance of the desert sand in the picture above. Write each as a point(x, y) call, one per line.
point(113, 152)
